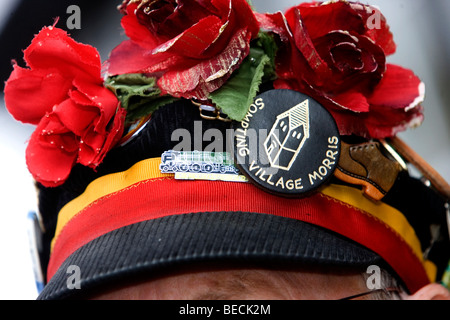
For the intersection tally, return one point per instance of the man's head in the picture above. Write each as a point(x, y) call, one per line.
point(138, 224)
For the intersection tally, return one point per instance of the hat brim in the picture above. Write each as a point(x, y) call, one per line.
point(153, 245)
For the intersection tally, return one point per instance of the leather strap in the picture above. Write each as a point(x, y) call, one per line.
point(417, 161)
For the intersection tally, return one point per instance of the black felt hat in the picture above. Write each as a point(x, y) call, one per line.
point(149, 222)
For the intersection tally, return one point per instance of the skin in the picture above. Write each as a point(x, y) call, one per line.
point(255, 284)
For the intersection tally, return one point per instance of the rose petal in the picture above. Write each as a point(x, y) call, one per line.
point(129, 57)
point(320, 19)
point(360, 68)
point(385, 122)
point(90, 149)
point(379, 123)
point(377, 28)
point(49, 165)
point(400, 88)
point(95, 146)
point(52, 47)
point(30, 94)
point(372, 56)
point(275, 22)
point(55, 134)
point(350, 123)
point(81, 99)
point(115, 130)
point(75, 117)
point(102, 99)
point(346, 57)
point(239, 13)
point(167, 19)
point(241, 16)
point(304, 43)
point(137, 32)
point(207, 76)
point(352, 100)
point(193, 42)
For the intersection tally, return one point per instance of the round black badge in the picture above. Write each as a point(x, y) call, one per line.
point(287, 144)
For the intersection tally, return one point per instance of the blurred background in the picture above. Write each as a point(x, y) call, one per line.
point(420, 29)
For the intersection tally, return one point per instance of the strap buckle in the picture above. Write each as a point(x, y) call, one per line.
point(209, 112)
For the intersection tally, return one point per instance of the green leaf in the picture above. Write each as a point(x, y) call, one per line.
point(138, 94)
point(268, 44)
point(235, 97)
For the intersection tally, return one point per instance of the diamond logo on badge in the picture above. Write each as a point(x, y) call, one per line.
point(287, 144)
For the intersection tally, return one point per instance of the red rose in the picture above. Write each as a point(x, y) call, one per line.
point(78, 120)
point(193, 46)
point(336, 52)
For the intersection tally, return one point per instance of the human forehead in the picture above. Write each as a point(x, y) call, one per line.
point(244, 283)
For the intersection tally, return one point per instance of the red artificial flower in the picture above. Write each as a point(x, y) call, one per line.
point(78, 120)
point(192, 46)
point(336, 53)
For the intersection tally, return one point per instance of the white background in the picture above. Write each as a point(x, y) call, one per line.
point(420, 30)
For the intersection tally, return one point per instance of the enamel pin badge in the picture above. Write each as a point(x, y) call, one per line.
point(287, 144)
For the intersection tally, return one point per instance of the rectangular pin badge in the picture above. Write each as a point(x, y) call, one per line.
point(201, 165)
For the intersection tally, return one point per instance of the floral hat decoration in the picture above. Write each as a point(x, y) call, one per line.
point(218, 56)
point(212, 52)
